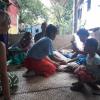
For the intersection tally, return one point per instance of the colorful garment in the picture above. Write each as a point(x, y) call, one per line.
point(81, 59)
point(41, 49)
point(41, 67)
point(13, 81)
point(92, 70)
point(17, 52)
point(93, 65)
point(84, 74)
point(16, 56)
point(37, 58)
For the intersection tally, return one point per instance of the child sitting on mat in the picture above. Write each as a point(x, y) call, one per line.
point(89, 74)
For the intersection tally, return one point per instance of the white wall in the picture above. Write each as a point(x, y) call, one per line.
point(34, 29)
point(91, 18)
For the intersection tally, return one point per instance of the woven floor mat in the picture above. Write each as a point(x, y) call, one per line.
point(56, 87)
point(40, 83)
point(54, 94)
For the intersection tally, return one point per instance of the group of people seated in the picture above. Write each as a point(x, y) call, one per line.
point(40, 58)
point(84, 64)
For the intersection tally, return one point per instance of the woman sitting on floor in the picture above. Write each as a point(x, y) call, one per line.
point(40, 58)
point(17, 52)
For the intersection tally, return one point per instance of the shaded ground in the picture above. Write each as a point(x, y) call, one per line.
point(56, 87)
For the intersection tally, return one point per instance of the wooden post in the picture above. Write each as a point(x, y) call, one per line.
point(75, 15)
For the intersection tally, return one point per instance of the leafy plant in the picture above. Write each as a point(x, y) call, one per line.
point(32, 11)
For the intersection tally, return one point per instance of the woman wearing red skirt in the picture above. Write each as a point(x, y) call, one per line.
point(40, 58)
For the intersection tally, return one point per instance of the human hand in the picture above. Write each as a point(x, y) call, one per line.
point(62, 62)
point(57, 64)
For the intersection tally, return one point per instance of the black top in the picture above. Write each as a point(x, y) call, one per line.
point(38, 36)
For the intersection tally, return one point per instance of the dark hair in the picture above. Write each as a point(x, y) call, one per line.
point(44, 24)
point(51, 29)
point(4, 18)
point(83, 31)
point(37, 30)
point(27, 34)
point(26, 39)
point(92, 43)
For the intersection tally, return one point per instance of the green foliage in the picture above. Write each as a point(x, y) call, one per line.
point(63, 16)
point(31, 10)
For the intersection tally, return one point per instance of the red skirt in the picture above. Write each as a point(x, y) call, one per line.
point(84, 75)
point(41, 67)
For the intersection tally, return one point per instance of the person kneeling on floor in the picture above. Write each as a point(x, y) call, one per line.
point(40, 58)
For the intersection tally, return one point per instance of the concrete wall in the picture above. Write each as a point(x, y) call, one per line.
point(61, 41)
